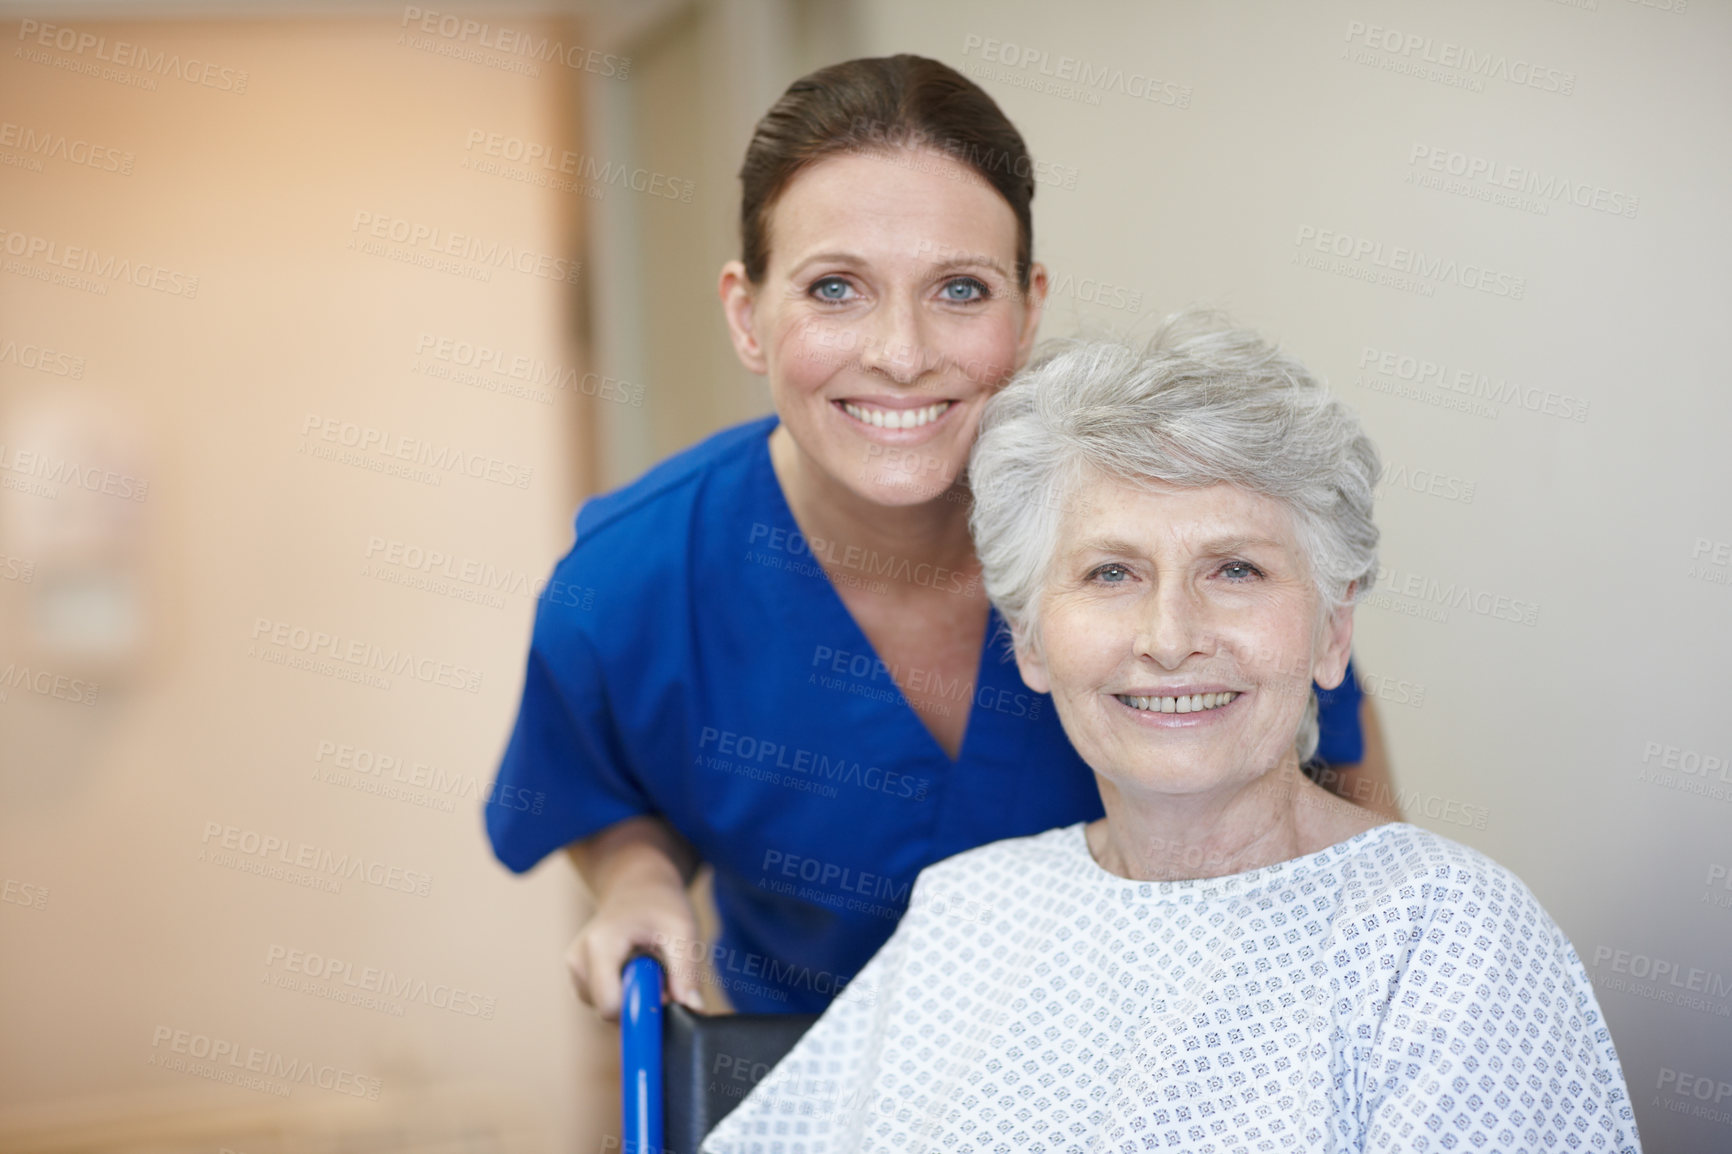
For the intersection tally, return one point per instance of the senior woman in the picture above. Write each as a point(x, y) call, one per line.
point(1232, 959)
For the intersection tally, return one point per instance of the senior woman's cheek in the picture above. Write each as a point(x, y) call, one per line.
point(1282, 665)
point(1097, 656)
point(1245, 655)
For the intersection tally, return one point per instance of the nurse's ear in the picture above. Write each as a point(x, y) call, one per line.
point(1029, 661)
point(1033, 306)
point(739, 306)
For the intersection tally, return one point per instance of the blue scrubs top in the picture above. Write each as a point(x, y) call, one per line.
point(691, 659)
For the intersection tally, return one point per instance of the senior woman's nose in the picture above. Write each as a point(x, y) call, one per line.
point(1172, 625)
point(895, 344)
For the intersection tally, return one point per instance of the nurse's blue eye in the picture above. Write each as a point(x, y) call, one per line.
point(830, 288)
point(963, 289)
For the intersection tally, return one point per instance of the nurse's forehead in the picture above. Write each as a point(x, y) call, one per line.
point(928, 209)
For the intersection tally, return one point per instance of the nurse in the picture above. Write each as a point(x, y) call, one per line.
point(772, 652)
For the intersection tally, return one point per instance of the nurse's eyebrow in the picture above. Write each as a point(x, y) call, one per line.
point(961, 261)
point(837, 256)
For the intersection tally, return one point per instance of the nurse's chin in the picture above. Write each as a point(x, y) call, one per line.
point(884, 484)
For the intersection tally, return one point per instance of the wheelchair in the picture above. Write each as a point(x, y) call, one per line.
point(680, 1072)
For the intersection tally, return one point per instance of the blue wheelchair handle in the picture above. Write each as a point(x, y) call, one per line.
point(640, 1075)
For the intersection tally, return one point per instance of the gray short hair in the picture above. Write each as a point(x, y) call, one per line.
point(1202, 403)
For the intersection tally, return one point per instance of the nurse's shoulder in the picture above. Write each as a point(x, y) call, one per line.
point(637, 543)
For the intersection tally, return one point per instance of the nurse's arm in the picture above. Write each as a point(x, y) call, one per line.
point(638, 870)
point(1366, 782)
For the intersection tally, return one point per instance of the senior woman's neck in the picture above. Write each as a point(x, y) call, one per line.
point(1152, 836)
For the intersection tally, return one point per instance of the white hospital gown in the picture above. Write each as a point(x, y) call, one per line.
point(1397, 991)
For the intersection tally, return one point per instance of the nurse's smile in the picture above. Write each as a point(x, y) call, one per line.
point(896, 420)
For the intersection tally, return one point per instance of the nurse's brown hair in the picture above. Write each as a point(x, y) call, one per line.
point(879, 105)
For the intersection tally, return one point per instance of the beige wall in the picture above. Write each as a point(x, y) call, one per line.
point(1527, 741)
point(703, 74)
point(1546, 731)
point(120, 920)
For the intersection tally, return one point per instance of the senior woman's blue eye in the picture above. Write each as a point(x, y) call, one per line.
point(1111, 574)
point(830, 288)
point(964, 289)
point(1240, 571)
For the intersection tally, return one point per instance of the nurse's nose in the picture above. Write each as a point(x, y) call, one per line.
point(895, 345)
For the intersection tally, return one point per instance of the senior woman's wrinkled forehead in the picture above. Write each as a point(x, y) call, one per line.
point(1201, 403)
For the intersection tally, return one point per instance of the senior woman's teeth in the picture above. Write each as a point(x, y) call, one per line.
point(895, 418)
point(1194, 703)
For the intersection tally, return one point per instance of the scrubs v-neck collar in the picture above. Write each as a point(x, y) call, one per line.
point(827, 615)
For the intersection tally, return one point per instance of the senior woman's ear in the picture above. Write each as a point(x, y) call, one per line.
point(1034, 305)
point(1029, 662)
point(739, 306)
point(1329, 666)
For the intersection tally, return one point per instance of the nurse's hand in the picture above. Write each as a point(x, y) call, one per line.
point(638, 871)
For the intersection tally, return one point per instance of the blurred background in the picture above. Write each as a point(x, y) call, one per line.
point(318, 320)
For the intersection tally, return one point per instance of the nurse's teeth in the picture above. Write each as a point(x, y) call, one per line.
point(1191, 703)
point(896, 418)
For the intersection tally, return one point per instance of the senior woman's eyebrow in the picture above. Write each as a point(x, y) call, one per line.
point(1210, 547)
point(1224, 546)
point(1114, 546)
